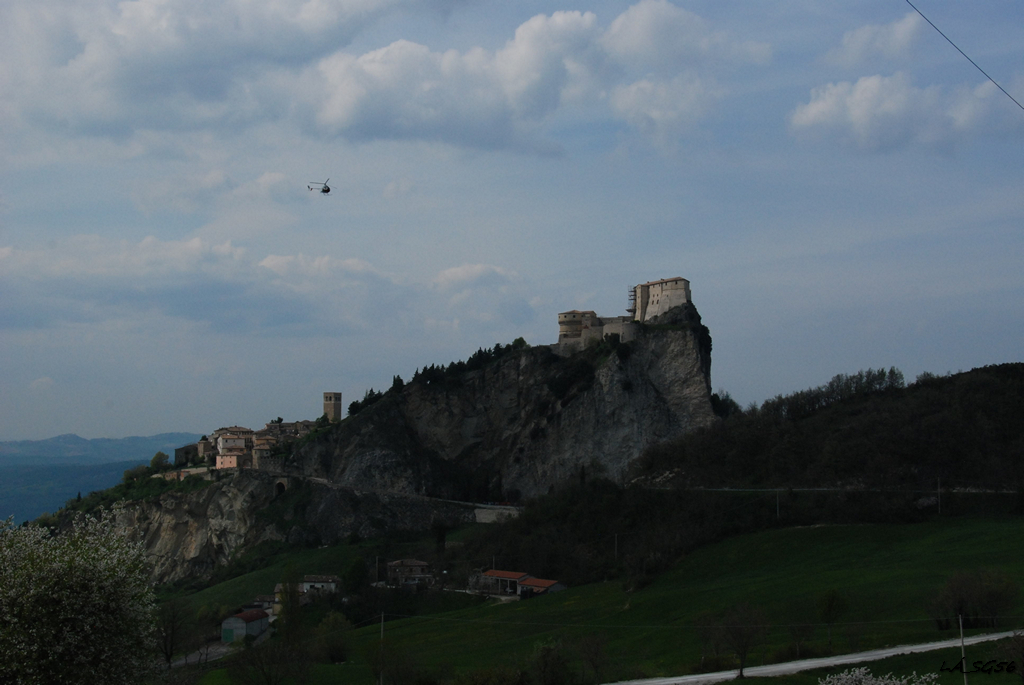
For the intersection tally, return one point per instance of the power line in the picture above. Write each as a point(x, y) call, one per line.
point(965, 55)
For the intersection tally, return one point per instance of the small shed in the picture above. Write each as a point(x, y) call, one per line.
point(538, 586)
point(252, 622)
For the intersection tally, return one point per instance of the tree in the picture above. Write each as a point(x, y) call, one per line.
point(330, 638)
point(356, 576)
point(710, 635)
point(831, 606)
point(159, 460)
point(289, 623)
point(77, 606)
point(979, 596)
point(172, 624)
point(745, 627)
point(272, 663)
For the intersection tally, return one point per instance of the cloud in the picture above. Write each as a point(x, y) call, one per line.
point(482, 294)
point(113, 69)
point(473, 275)
point(663, 109)
point(222, 288)
point(108, 67)
point(655, 34)
point(42, 384)
point(477, 98)
point(882, 113)
point(887, 41)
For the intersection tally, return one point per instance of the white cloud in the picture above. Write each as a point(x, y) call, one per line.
point(41, 384)
point(113, 70)
point(655, 34)
point(109, 67)
point(886, 112)
point(472, 275)
point(887, 41)
point(90, 256)
point(497, 99)
point(664, 108)
point(484, 294)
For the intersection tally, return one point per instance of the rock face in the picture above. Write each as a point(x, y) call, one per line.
point(514, 428)
point(527, 421)
point(187, 535)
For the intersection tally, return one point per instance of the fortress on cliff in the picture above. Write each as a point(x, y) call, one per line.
point(577, 329)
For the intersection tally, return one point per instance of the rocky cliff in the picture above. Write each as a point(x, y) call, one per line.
point(514, 428)
point(525, 422)
point(187, 535)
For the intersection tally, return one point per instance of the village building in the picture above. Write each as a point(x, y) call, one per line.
point(494, 582)
point(252, 622)
point(321, 584)
point(538, 586)
point(512, 583)
point(409, 572)
point(188, 454)
point(207, 450)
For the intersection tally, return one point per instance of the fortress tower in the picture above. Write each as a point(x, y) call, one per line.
point(332, 405)
point(657, 297)
point(576, 329)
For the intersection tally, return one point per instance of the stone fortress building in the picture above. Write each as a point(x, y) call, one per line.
point(577, 329)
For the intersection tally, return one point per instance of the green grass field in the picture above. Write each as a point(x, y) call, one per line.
point(887, 572)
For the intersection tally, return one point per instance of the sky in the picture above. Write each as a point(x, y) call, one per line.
point(841, 187)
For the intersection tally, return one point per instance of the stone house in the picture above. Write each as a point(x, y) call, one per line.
point(409, 572)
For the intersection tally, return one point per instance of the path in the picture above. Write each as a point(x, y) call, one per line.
point(808, 664)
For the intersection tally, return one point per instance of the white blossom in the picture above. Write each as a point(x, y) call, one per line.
point(863, 676)
point(75, 607)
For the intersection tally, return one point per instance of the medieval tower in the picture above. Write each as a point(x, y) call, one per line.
point(332, 406)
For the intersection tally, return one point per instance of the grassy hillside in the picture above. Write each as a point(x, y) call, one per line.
point(888, 574)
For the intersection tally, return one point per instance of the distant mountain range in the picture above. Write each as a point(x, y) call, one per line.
point(72, 449)
point(38, 476)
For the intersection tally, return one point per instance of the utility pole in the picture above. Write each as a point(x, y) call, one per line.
point(963, 654)
point(382, 648)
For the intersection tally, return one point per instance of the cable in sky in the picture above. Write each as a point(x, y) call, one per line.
point(965, 55)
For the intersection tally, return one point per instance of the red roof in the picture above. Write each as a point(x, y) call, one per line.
point(506, 575)
point(538, 582)
point(252, 615)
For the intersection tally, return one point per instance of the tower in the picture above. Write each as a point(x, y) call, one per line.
point(332, 405)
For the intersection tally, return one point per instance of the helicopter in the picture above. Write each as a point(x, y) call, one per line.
point(324, 188)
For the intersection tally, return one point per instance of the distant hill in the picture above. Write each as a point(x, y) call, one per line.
point(38, 476)
point(27, 492)
point(72, 449)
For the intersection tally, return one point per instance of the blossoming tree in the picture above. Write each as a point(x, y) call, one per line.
point(76, 607)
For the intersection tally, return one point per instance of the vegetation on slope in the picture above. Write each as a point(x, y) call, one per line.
point(863, 431)
point(887, 574)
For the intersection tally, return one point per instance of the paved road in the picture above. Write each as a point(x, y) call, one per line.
point(808, 664)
